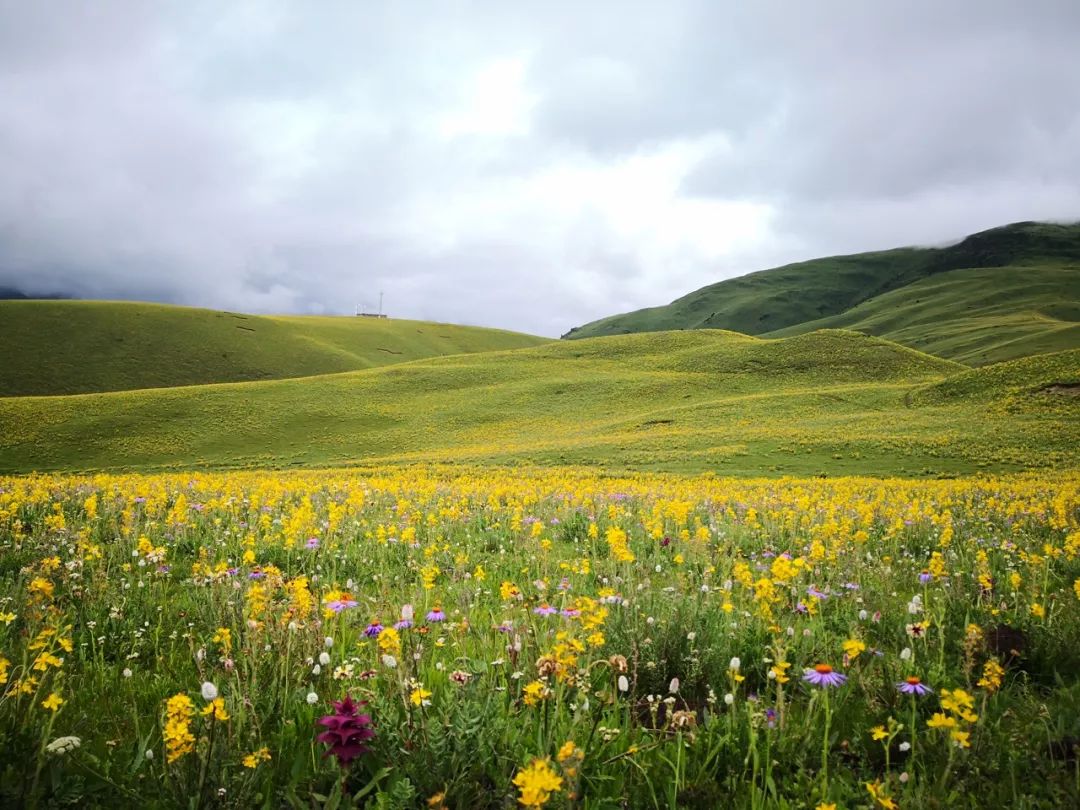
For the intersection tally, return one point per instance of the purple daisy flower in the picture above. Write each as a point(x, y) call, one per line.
point(313, 542)
point(814, 592)
point(925, 577)
point(436, 615)
point(914, 686)
point(373, 629)
point(402, 624)
point(570, 613)
point(823, 675)
point(338, 605)
point(544, 610)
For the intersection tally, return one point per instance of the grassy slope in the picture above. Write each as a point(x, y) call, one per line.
point(976, 317)
point(701, 400)
point(68, 347)
point(819, 293)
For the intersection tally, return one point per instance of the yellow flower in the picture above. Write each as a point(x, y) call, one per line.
point(389, 640)
point(8, 618)
point(992, 676)
point(1038, 611)
point(534, 692)
point(940, 720)
point(853, 647)
point(419, 696)
point(52, 702)
point(216, 708)
point(879, 732)
point(875, 790)
point(253, 759)
point(961, 738)
point(826, 806)
point(567, 751)
point(536, 783)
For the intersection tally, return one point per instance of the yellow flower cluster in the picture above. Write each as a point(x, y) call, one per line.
point(179, 710)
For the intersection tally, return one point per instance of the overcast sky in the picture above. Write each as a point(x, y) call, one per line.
point(529, 165)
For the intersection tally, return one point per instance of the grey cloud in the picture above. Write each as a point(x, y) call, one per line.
point(280, 156)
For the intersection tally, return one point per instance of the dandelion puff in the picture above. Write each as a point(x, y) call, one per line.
point(209, 691)
point(312, 698)
point(624, 684)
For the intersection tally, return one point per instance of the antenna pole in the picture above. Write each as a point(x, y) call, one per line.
point(380, 302)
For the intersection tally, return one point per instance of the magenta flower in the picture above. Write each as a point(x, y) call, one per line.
point(914, 686)
point(436, 615)
point(373, 629)
point(313, 542)
point(402, 624)
point(822, 675)
point(346, 731)
point(545, 610)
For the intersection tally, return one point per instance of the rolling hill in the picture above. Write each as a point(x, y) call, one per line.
point(999, 294)
point(834, 401)
point(72, 347)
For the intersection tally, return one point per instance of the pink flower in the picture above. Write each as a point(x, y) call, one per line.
point(346, 731)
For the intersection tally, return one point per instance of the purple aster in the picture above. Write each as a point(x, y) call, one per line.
point(925, 577)
point(814, 592)
point(313, 542)
point(823, 675)
point(914, 686)
point(801, 608)
point(436, 615)
point(505, 627)
point(402, 624)
point(545, 610)
point(256, 574)
point(373, 629)
point(338, 605)
point(570, 613)
point(770, 717)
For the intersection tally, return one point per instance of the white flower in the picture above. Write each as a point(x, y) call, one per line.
point(200, 654)
point(905, 746)
point(324, 658)
point(312, 698)
point(407, 613)
point(905, 654)
point(126, 673)
point(149, 753)
point(329, 642)
point(862, 615)
point(316, 670)
point(904, 777)
point(61, 745)
point(735, 664)
point(624, 684)
point(729, 698)
point(704, 588)
point(771, 675)
point(389, 661)
point(209, 691)
point(673, 687)
point(691, 636)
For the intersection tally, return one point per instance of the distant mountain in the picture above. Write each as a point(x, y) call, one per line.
point(1007, 292)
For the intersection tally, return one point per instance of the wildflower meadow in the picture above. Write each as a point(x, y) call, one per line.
point(450, 637)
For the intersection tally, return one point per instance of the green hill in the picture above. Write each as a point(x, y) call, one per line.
point(70, 347)
point(976, 317)
point(1025, 300)
point(700, 400)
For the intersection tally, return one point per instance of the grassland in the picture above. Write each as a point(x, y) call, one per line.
point(551, 639)
point(830, 402)
point(997, 295)
point(73, 347)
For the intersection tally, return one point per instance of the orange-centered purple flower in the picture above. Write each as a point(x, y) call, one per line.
point(823, 675)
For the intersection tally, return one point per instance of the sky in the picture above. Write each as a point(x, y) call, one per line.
point(526, 165)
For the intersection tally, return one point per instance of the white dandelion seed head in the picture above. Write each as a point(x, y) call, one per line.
point(209, 691)
point(312, 698)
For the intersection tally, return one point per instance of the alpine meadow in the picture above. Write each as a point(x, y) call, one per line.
point(305, 504)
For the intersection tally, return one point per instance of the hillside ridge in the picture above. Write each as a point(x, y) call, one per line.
point(823, 292)
point(70, 347)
